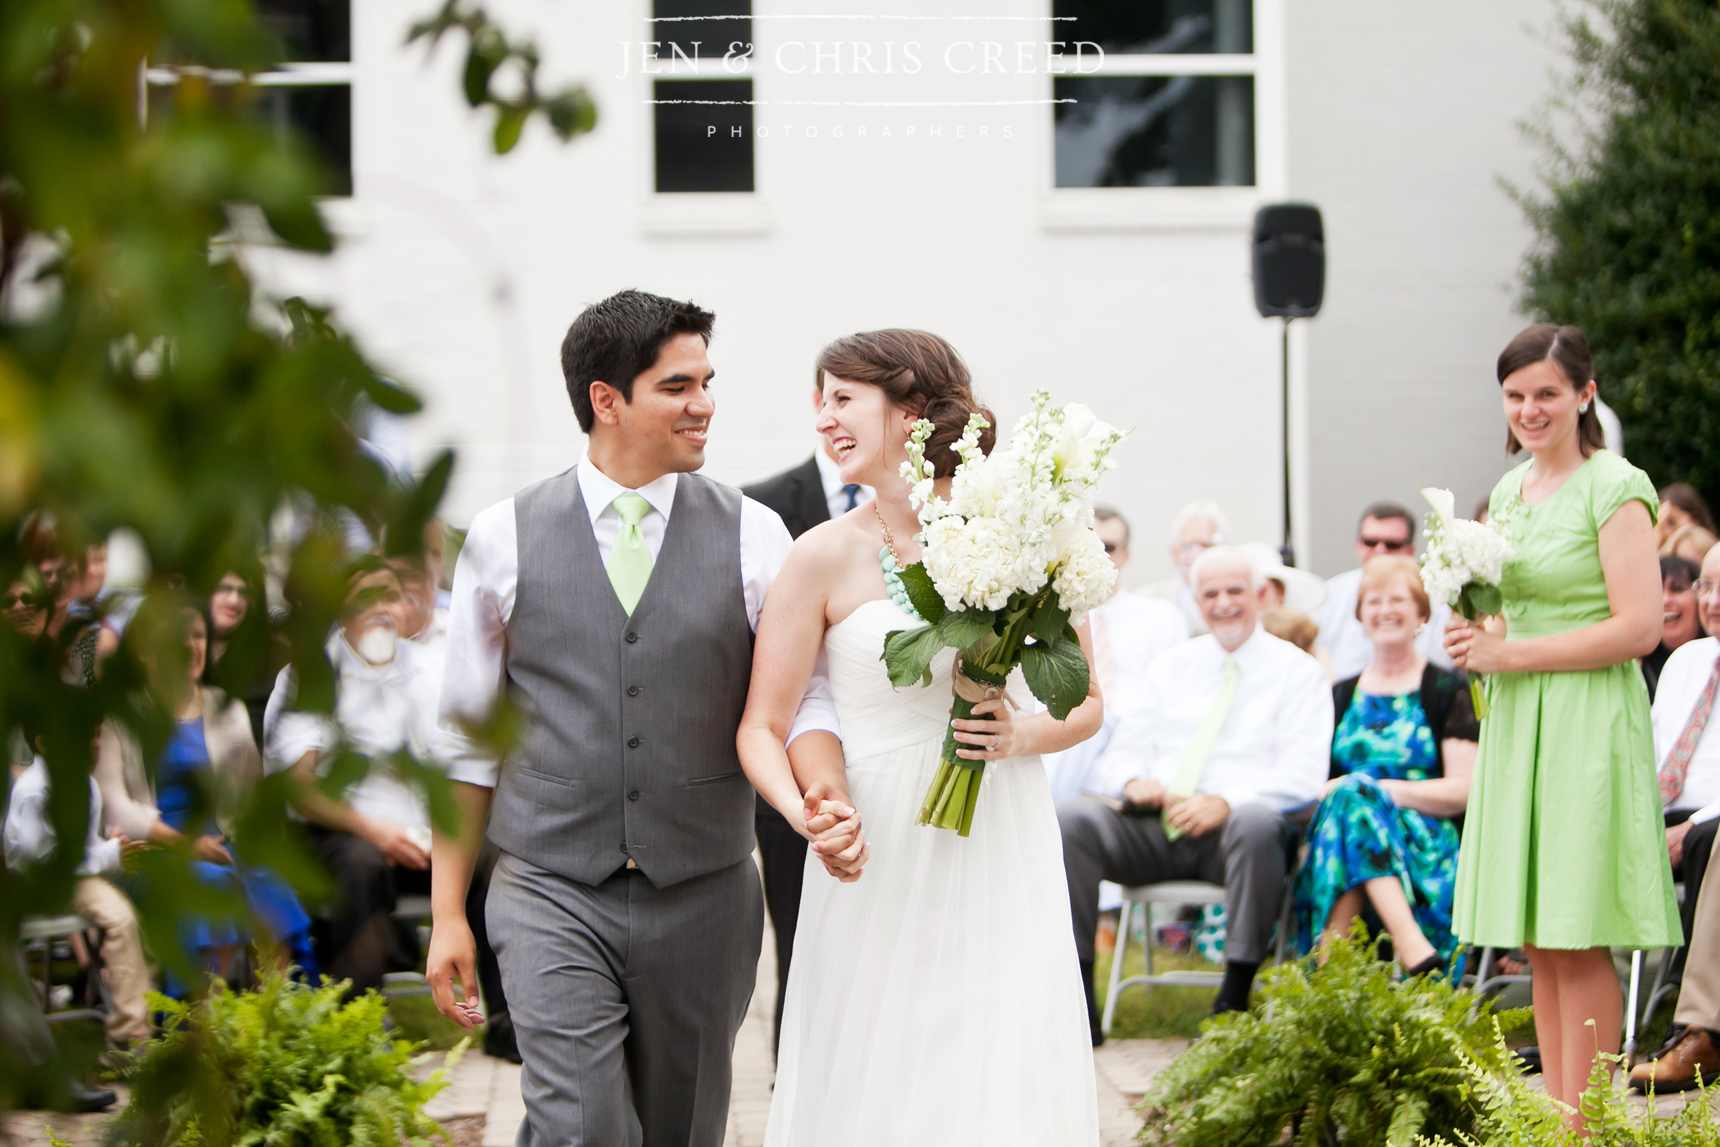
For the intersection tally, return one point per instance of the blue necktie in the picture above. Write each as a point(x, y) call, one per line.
point(853, 493)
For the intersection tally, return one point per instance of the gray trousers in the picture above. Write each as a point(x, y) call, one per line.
point(1249, 855)
point(626, 999)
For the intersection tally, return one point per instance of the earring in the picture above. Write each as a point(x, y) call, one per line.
point(1583, 409)
point(1421, 629)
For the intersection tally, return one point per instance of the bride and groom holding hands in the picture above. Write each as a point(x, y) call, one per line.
point(671, 651)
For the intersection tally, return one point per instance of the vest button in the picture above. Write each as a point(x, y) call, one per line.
point(633, 795)
point(632, 637)
point(632, 742)
point(633, 690)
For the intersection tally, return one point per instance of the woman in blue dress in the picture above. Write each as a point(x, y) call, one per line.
point(202, 776)
point(1383, 844)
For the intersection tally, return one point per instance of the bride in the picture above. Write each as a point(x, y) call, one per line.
point(937, 1000)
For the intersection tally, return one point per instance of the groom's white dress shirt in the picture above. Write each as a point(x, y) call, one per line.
point(487, 572)
point(1276, 741)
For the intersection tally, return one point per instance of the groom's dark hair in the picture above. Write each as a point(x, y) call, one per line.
point(618, 339)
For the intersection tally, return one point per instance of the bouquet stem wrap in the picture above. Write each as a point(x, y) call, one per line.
point(954, 794)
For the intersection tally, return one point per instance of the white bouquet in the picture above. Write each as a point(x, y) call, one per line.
point(1463, 566)
point(1011, 566)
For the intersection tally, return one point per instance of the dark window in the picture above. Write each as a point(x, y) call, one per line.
point(712, 37)
point(1138, 27)
point(309, 30)
point(1155, 131)
point(705, 142)
point(322, 115)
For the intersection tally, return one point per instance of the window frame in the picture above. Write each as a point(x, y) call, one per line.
point(682, 214)
point(1224, 208)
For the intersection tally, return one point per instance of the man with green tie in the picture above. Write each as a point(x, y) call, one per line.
point(1227, 735)
point(616, 604)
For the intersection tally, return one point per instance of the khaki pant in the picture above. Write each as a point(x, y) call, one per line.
point(122, 953)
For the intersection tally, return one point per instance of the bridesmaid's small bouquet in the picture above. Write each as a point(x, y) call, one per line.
point(1463, 566)
point(1011, 566)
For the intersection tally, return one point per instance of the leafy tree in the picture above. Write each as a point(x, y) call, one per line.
point(146, 383)
point(1629, 224)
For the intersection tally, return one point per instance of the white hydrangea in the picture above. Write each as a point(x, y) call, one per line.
point(1018, 519)
point(1085, 576)
point(971, 562)
point(1459, 551)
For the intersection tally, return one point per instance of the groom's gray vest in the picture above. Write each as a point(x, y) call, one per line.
point(631, 746)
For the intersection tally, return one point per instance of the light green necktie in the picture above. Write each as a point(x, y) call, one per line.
point(630, 562)
point(1200, 747)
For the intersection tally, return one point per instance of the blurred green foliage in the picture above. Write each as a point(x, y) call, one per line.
point(146, 383)
point(284, 1064)
point(1629, 223)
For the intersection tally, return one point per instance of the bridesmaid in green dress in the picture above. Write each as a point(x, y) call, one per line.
point(1563, 849)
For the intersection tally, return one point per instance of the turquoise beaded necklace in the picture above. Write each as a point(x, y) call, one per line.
point(891, 563)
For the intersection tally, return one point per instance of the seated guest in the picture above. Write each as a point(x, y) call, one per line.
point(1198, 527)
point(209, 760)
point(1689, 759)
point(30, 838)
point(1692, 1052)
point(1680, 619)
point(375, 836)
point(1681, 506)
point(1129, 632)
point(1292, 597)
point(1228, 734)
point(1402, 757)
point(1385, 528)
point(241, 646)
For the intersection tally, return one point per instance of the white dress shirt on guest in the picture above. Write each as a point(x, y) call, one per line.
point(29, 833)
point(835, 489)
point(487, 572)
point(380, 709)
point(1343, 636)
point(1129, 632)
point(1276, 741)
point(1682, 680)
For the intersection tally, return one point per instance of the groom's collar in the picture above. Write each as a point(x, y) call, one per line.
point(599, 490)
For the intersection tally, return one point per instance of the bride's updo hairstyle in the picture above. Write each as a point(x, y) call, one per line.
point(919, 372)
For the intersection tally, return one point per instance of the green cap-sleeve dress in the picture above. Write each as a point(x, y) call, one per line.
point(1564, 844)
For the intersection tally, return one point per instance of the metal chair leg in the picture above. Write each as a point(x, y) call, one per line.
point(1630, 1008)
point(1117, 956)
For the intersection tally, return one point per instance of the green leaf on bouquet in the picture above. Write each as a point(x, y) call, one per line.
point(1482, 600)
point(960, 629)
point(1051, 622)
point(1057, 674)
point(927, 602)
point(908, 654)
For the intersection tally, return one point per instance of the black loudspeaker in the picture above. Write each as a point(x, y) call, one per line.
point(1289, 260)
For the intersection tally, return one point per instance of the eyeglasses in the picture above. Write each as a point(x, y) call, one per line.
point(9, 600)
point(1390, 545)
point(1704, 586)
point(1110, 547)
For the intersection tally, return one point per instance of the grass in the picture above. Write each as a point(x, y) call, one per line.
point(1154, 1012)
point(416, 1018)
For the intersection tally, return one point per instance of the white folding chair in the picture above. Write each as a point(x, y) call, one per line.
point(398, 985)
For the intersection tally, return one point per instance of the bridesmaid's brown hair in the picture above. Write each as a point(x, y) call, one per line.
point(1568, 350)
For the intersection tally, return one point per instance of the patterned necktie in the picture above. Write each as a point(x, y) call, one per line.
point(1205, 737)
point(853, 493)
point(1678, 761)
point(630, 562)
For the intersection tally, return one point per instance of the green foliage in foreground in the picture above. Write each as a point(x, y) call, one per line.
point(1517, 1115)
point(285, 1065)
point(1629, 224)
point(1340, 1052)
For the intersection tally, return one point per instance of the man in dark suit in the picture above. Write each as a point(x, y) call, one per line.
point(803, 496)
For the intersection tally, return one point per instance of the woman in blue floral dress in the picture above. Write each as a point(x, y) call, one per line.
point(1383, 844)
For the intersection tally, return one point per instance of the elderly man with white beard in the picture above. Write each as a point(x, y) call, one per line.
point(376, 836)
point(1229, 733)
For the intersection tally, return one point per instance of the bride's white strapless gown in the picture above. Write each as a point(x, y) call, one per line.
point(936, 1000)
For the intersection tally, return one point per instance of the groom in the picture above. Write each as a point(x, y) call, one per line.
point(616, 602)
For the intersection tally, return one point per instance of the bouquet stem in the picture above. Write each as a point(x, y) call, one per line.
point(954, 794)
point(1478, 694)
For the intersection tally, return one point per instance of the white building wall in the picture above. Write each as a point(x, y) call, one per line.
point(1402, 120)
point(461, 271)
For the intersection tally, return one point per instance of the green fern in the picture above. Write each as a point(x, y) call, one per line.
point(1334, 1052)
point(283, 1066)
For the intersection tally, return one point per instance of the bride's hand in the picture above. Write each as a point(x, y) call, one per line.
point(834, 830)
point(992, 739)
